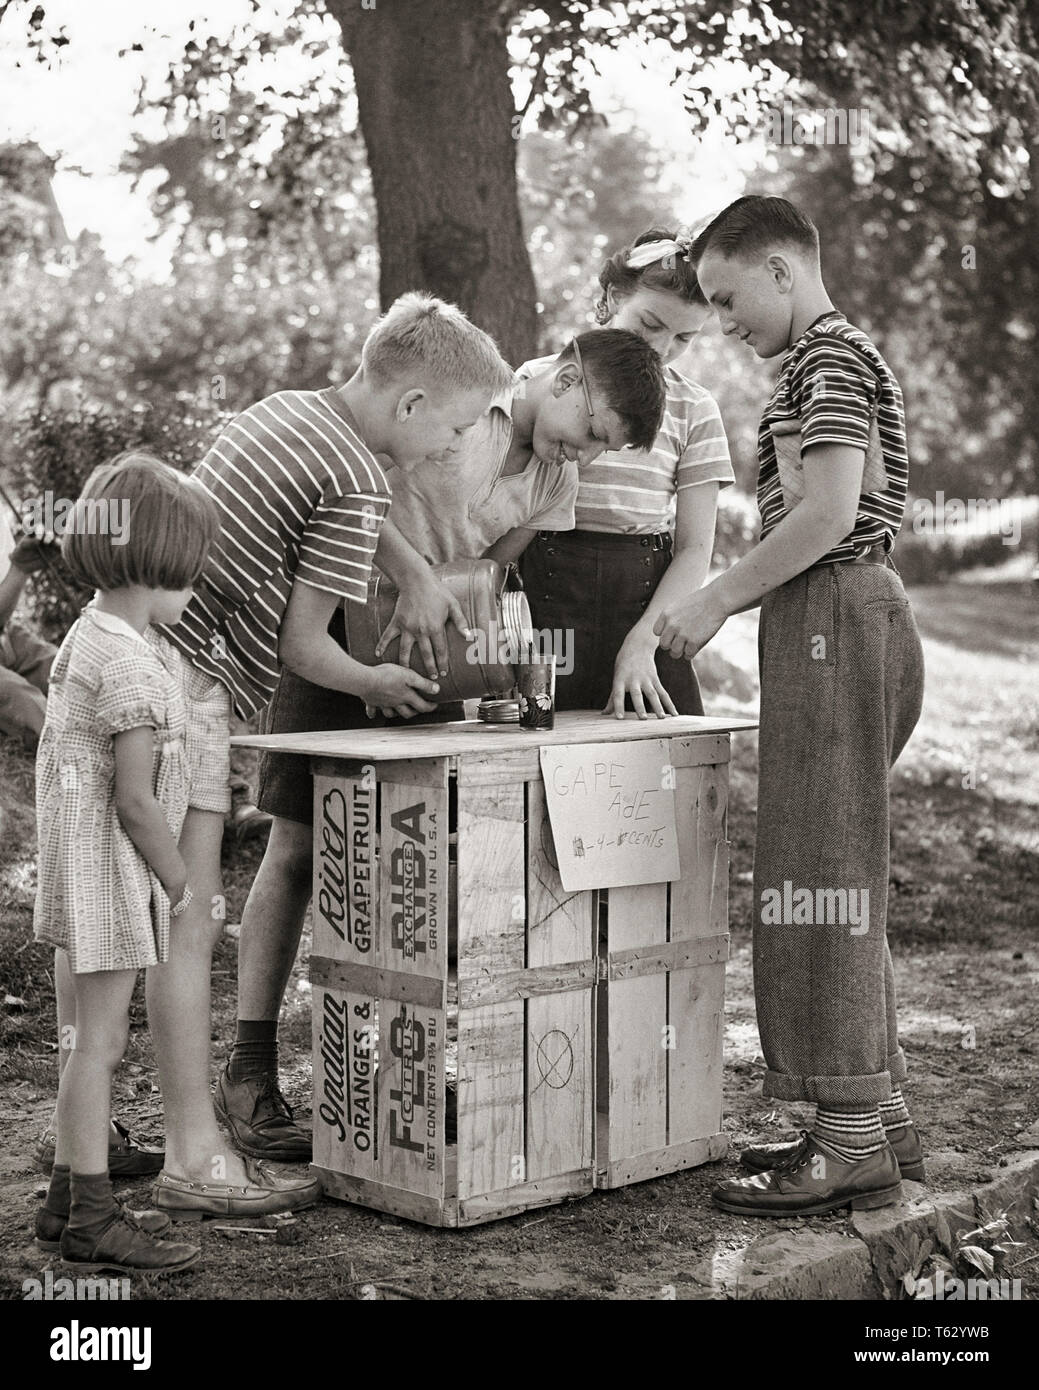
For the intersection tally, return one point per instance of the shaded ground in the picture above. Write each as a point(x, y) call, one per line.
point(962, 921)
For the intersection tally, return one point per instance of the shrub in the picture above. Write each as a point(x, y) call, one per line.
point(52, 451)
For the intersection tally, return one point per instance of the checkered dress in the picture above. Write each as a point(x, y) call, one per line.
point(98, 899)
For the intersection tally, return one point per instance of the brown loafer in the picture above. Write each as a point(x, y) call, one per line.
point(262, 1195)
point(126, 1247)
point(905, 1144)
point(126, 1158)
point(812, 1180)
point(48, 1227)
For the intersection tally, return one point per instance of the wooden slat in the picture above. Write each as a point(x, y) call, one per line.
point(492, 769)
point(413, 879)
point(696, 997)
point(411, 1078)
point(637, 1057)
point(696, 1009)
point(466, 737)
point(380, 1197)
point(560, 928)
point(491, 920)
point(346, 1128)
point(701, 799)
point(367, 979)
point(528, 984)
point(677, 955)
point(492, 1206)
point(667, 1160)
point(345, 873)
point(412, 940)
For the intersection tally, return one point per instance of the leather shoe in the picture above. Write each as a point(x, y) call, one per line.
point(812, 1180)
point(48, 1227)
point(905, 1144)
point(125, 1246)
point(263, 1194)
point(261, 1120)
point(126, 1158)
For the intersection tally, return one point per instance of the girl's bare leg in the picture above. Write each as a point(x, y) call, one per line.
point(102, 1001)
point(178, 995)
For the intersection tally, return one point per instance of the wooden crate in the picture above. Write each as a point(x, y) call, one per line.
point(379, 970)
point(585, 1057)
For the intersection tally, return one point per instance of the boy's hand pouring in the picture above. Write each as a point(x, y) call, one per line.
point(424, 608)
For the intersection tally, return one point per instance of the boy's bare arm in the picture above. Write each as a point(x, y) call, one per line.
point(141, 815)
point(305, 647)
point(424, 605)
point(508, 548)
point(833, 478)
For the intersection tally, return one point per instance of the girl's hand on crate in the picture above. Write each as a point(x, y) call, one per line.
point(635, 676)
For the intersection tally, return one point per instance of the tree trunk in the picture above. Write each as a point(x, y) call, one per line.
point(436, 111)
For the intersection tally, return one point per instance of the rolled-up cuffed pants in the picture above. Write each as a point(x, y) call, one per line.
point(841, 691)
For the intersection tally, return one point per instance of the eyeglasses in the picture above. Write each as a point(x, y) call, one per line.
point(584, 380)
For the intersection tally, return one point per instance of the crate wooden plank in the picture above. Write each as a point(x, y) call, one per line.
point(492, 769)
point(380, 1197)
point(491, 922)
point(465, 737)
point(411, 1078)
point(699, 916)
point(671, 1159)
point(696, 1005)
point(560, 1038)
point(345, 876)
point(409, 989)
point(676, 955)
point(699, 899)
point(412, 941)
point(346, 1122)
point(492, 1206)
point(636, 1039)
point(413, 879)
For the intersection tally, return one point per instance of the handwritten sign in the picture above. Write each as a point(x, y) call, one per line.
point(612, 809)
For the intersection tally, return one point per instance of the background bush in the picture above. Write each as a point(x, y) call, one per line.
point(56, 451)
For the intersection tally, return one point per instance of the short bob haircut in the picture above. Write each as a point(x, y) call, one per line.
point(631, 377)
point(421, 340)
point(163, 523)
point(753, 225)
point(672, 274)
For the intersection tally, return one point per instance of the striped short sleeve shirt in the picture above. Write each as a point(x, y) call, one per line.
point(300, 496)
point(634, 491)
point(837, 387)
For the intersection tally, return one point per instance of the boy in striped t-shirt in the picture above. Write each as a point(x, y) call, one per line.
point(841, 690)
point(301, 499)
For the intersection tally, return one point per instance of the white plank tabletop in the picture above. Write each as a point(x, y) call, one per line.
point(473, 736)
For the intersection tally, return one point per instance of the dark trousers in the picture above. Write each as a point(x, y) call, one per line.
point(592, 589)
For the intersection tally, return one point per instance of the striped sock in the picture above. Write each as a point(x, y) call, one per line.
point(853, 1134)
point(893, 1112)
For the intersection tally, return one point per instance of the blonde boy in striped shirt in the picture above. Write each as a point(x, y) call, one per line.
point(302, 500)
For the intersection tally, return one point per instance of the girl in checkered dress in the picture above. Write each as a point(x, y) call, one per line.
point(111, 797)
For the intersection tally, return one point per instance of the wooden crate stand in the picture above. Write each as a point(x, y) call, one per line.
point(589, 1025)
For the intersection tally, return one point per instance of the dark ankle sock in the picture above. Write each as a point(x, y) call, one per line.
point(255, 1050)
point(58, 1196)
point(93, 1206)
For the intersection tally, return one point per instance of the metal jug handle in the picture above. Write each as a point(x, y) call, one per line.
point(512, 580)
